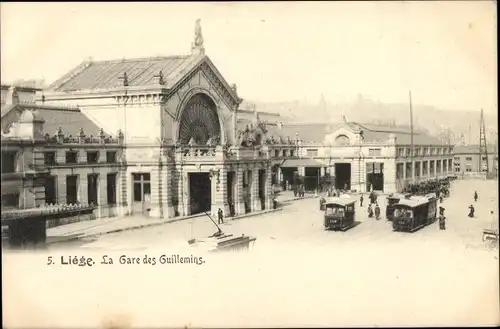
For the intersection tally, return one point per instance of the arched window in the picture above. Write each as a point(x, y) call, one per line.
point(342, 140)
point(258, 139)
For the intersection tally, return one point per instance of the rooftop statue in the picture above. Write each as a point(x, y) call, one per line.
point(198, 37)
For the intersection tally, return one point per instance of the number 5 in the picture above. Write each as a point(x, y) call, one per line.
point(49, 260)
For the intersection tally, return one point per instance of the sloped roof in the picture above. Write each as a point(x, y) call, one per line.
point(272, 129)
point(377, 133)
point(140, 72)
point(473, 149)
point(310, 132)
point(70, 119)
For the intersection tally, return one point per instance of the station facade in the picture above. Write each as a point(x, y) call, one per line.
point(180, 144)
point(366, 157)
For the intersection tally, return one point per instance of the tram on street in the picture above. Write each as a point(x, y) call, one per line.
point(339, 213)
point(415, 212)
point(393, 199)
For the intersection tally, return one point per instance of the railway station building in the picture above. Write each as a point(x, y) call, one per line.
point(165, 134)
point(365, 157)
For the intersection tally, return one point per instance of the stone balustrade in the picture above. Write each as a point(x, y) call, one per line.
point(47, 209)
point(211, 153)
point(60, 138)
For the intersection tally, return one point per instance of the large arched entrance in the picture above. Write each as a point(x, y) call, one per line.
point(199, 121)
point(199, 125)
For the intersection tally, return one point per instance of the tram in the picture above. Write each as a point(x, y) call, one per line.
point(415, 212)
point(339, 213)
point(393, 199)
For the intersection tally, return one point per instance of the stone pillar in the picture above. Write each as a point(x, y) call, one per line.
point(239, 202)
point(39, 184)
point(102, 196)
point(355, 180)
point(301, 170)
point(61, 157)
point(83, 188)
point(219, 194)
point(255, 201)
point(61, 189)
point(269, 189)
point(166, 196)
point(184, 194)
point(121, 188)
point(390, 185)
point(156, 191)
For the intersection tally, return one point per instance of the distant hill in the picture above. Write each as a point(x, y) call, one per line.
point(426, 118)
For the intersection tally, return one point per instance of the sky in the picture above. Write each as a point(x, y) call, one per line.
point(444, 52)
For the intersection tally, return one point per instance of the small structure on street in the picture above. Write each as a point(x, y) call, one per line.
point(219, 241)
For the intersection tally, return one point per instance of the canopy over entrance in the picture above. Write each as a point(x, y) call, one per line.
point(292, 163)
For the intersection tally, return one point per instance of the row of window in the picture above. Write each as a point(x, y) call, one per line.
point(432, 169)
point(72, 185)
point(71, 190)
point(284, 153)
point(423, 151)
point(371, 152)
point(72, 157)
point(470, 158)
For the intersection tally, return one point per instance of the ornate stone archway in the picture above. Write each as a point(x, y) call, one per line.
point(199, 122)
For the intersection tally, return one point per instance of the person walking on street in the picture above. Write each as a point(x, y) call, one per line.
point(220, 216)
point(370, 211)
point(361, 200)
point(475, 196)
point(377, 211)
point(471, 211)
point(442, 219)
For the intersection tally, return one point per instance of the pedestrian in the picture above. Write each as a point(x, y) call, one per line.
point(377, 211)
point(440, 199)
point(370, 211)
point(471, 211)
point(442, 219)
point(475, 196)
point(220, 215)
point(361, 200)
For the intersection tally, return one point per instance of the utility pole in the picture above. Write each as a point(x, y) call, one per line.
point(411, 142)
point(483, 148)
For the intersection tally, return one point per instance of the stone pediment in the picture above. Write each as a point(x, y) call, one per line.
point(343, 136)
point(190, 84)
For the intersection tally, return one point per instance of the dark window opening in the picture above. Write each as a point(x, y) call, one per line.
point(292, 153)
point(71, 157)
point(8, 162)
point(111, 187)
point(92, 157)
point(111, 157)
point(10, 200)
point(92, 185)
point(276, 153)
point(49, 158)
point(72, 189)
point(50, 190)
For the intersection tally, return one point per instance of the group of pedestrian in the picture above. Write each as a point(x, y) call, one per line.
point(299, 191)
point(373, 201)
